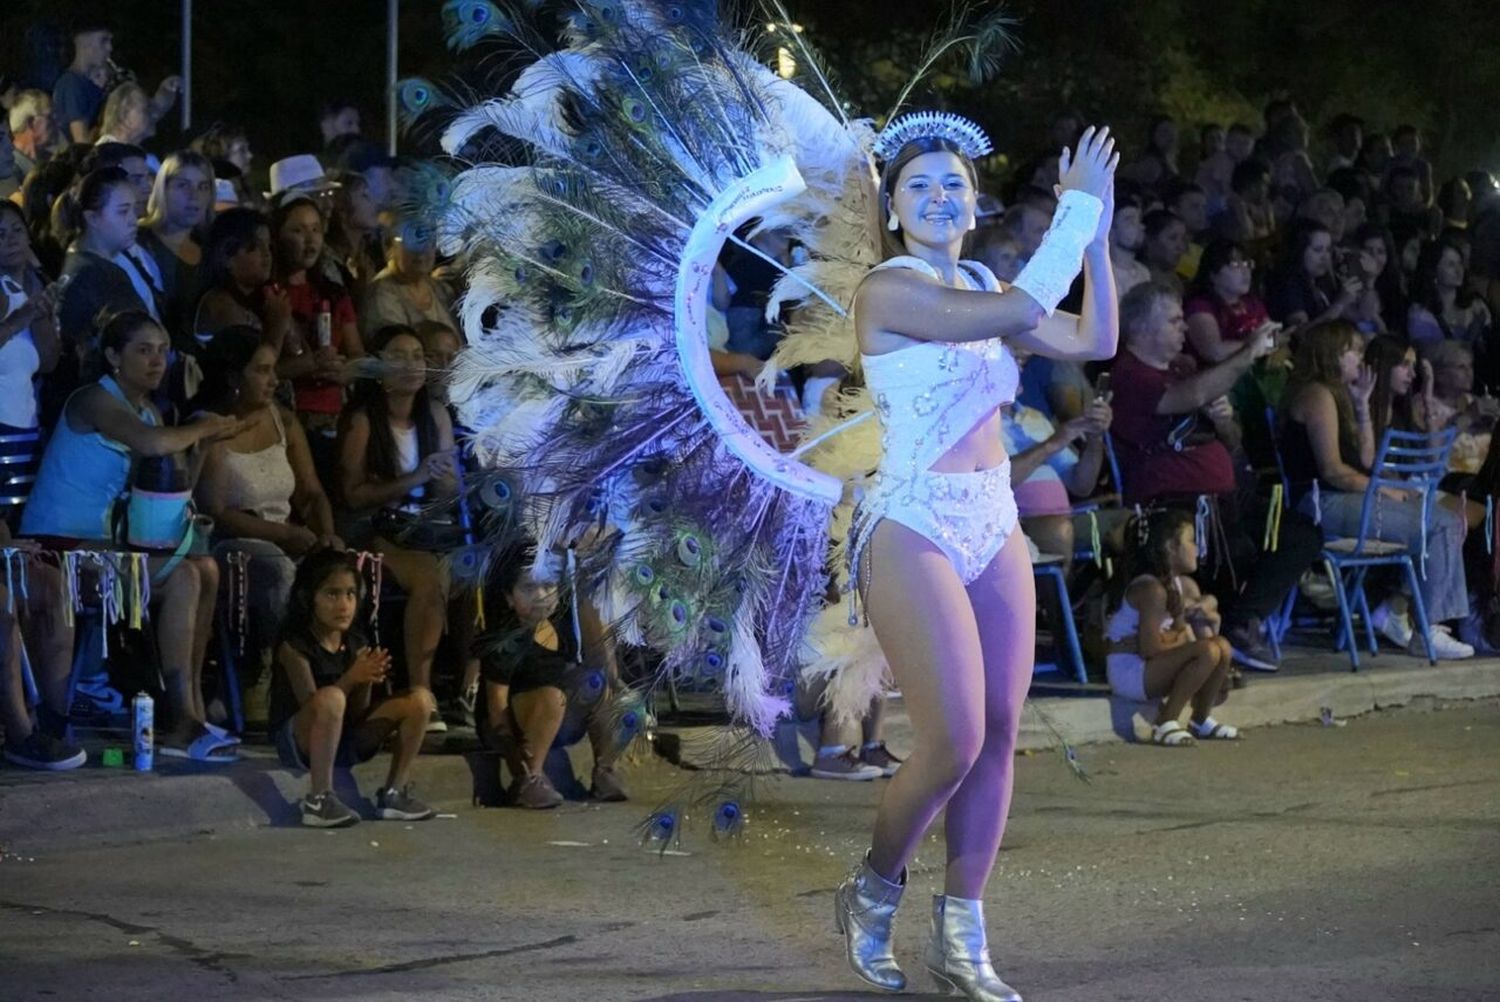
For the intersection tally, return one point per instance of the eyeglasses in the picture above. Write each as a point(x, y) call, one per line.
point(1243, 265)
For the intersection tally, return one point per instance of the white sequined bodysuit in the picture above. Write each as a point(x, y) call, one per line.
point(929, 396)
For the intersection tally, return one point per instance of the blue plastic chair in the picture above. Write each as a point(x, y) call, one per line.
point(1408, 461)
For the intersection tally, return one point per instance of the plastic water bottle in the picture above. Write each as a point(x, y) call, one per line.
point(144, 712)
point(325, 325)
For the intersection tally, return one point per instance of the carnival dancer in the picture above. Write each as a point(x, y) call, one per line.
point(944, 576)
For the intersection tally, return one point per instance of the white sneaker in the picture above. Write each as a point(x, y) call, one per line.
point(1396, 629)
point(1445, 646)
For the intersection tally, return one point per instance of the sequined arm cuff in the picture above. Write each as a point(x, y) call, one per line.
point(1050, 273)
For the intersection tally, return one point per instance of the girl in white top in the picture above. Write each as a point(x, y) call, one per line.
point(1182, 659)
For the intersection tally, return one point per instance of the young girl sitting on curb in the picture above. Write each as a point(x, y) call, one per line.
point(323, 708)
point(1163, 639)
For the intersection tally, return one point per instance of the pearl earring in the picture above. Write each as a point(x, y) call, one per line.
point(894, 224)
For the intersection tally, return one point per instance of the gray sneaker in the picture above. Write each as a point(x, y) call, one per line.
point(537, 794)
point(607, 786)
point(846, 766)
point(400, 805)
point(326, 810)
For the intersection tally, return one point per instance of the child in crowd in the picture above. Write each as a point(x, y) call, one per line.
point(324, 711)
point(1182, 658)
point(536, 685)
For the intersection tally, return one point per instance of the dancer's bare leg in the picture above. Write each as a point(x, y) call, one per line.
point(1004, 603)
point(922, 617)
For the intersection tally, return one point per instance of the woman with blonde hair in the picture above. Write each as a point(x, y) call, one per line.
point(175, 229)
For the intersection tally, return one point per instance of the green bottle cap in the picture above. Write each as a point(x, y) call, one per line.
point(114, 758)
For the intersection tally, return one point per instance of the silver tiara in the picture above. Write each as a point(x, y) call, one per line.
point(966, 135)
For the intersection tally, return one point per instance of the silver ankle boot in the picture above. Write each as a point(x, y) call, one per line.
point(863, 908)
point(958, 957)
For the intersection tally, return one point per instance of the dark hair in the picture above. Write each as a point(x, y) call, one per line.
point(1317, 362)
point(1157, 121)
point(1295, 244)
point(1403, 171)
point(1250, 171)
point(111, 155)
point(279, 215)
point(1405, 130)
point(1447, 196)
point(224, 365)
point(1350, 183)
point(43, 186)
point(1384, 353)
point(1149, 534)
point(215, 141)
point(1156, 222)
point(1424, 291)
point(335, 105)
point(114, 332)
point(891, 242)
point(232, 231)
point(368, 395)
point(1217, 256)
point(316, 568)
point(91, 196)
point(1390, 284)
point(1242, 129)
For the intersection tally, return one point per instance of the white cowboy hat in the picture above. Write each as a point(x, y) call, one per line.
point(301, 173)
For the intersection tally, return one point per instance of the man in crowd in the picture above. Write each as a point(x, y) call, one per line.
point(31, 130)
point(76, 98)
point(1166, 458)
point(338, 118)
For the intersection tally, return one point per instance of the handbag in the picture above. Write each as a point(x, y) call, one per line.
point(157, 515)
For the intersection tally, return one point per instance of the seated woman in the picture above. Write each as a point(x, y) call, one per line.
point(405, 292)
point(1442, 304)
point(237, 281)
point(1305, 289)
point(256, 482)
point(396, 457)
point(106, 426)
point(1048, 472)
point(1221, 310)
point(324, 707)
point(1164, 641)
point(532, 675)
point(315, 369)
point(177, 219)
point(1328, 440)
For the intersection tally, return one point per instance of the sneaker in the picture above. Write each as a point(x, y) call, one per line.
point(400, 805)
point(607, 786)
point(881, 758)
point(43, 751)
point(1318, 590)
point(1248, 646)
point(1445, 646)
point(326, 810)
point(537, 794)
point(1396, 629)
point(435, 724)
point(845, 765)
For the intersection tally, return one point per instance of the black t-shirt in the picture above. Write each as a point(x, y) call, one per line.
point(327, 668)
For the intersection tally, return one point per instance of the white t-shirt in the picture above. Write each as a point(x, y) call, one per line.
point(18, 365)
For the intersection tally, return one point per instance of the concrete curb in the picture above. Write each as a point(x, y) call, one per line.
point(93, 806)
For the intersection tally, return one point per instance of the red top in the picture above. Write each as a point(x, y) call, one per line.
point(1236, 322)
point(1150, 467)
point(317, 396)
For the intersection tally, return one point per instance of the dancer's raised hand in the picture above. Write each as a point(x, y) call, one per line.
point(1091, 166)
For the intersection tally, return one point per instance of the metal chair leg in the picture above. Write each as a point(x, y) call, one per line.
point(229, 670)
point(1363, 605)
point(1345, 623)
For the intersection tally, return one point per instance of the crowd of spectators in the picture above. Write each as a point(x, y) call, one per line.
point(169, 328)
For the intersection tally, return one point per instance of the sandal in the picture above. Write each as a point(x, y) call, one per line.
point(1212, 730)
point(1171, 735)
point(207, 747)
